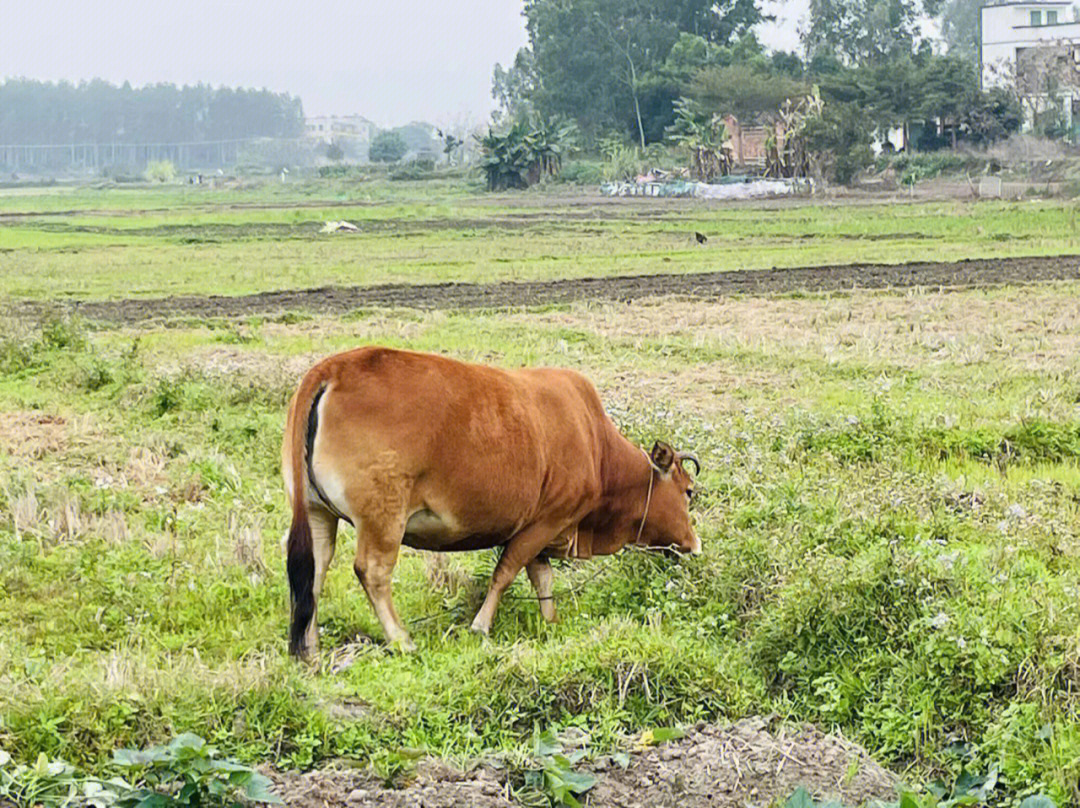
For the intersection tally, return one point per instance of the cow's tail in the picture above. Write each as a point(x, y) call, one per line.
point(300, 561)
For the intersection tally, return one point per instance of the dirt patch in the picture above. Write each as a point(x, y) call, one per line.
point(709, 285)
point(745, 763)
point(435, 786)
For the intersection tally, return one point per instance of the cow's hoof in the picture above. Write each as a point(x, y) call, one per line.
point(403, 645)
point(479, 628)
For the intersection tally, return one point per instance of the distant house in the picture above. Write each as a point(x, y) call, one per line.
point(749, 144)
point(353, 133)
point(1034, 48)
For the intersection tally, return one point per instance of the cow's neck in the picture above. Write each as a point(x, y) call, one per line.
point(626, 474)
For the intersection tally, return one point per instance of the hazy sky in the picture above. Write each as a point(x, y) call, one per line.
point(394, 60)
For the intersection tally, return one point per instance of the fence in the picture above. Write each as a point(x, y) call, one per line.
point(96, 156)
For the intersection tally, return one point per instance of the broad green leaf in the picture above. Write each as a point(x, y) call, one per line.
point(187, 740)
point(579, 782)
point(258, 790)
point(621, 758)
point(909, 799)
point(154, 800)
point(1037, 801)
point(800, 798)
point(136, 757)
point(547, 744)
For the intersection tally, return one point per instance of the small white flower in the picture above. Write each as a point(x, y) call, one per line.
point(948, 559)
point(939, 620)
point(1016, 511)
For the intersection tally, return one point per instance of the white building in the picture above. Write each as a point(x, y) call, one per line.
point(1033, 47)
point(352, 133)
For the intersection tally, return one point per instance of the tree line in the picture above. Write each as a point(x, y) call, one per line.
point(97, 112)
point(624, 67)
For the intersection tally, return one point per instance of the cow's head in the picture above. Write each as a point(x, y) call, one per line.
point(666, 523)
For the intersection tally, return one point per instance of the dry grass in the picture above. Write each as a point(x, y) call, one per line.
point(445, 574)
point(245, 535)
point(129, 672)
point(145, 468)
point(25, 514)
point(67, 521)
point(32, 435)
point(1025, 328)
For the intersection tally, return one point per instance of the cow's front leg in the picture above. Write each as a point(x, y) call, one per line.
point(543, 580)
point(522, 549)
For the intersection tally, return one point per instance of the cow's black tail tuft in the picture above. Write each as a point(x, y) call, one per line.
point(301, 567)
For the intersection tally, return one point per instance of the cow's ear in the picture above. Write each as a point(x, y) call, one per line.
point(662, 456)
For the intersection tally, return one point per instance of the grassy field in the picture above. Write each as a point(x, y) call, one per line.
point(891, 515)
point(98, 244)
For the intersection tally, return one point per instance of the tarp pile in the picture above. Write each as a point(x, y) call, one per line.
point(733, 188)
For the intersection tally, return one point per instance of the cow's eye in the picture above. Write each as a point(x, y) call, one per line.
point(690, 494)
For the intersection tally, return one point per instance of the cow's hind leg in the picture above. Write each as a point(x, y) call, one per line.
point(376, 501)
point(522, 549)
point(376, 556)
point(543, 579)
point(323, 537)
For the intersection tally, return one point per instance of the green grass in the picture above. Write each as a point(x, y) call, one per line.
point(890, 512)
point(207, 242)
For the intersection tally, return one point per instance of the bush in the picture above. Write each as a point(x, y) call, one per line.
point(23, 352)
point(841, 137)
point(387, 147)
point(160, 171)
point(526, 153)
point(582, 172)
point(420, 169)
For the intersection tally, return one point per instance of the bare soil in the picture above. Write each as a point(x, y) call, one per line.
point(706, 285)
point(747, 763)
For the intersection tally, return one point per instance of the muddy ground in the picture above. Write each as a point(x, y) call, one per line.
point(338, 300)
point(749, 763)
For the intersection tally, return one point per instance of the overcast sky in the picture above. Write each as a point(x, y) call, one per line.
point(394, 61)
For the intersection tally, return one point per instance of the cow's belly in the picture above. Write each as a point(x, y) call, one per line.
point(427, 530)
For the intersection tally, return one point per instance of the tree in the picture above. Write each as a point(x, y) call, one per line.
point(742, 91)
point(451, 145)
point(863, 31)
point(96, 112)
point(838, 140)
point(949, 89)
point(514, 87)
point(387, 147)
point(602, 61)
point(960, 28)
point(702, 133)
point(525, 153)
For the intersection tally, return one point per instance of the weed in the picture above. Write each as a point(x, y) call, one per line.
point(557, 776)
point(188, 772)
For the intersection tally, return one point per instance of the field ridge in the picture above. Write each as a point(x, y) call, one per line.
point(328, 300)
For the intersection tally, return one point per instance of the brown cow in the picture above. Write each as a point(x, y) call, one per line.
point(425, 451)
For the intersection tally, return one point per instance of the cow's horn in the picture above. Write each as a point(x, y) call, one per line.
point(685, 456)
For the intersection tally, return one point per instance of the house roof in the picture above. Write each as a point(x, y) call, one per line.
point(1047, 3)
